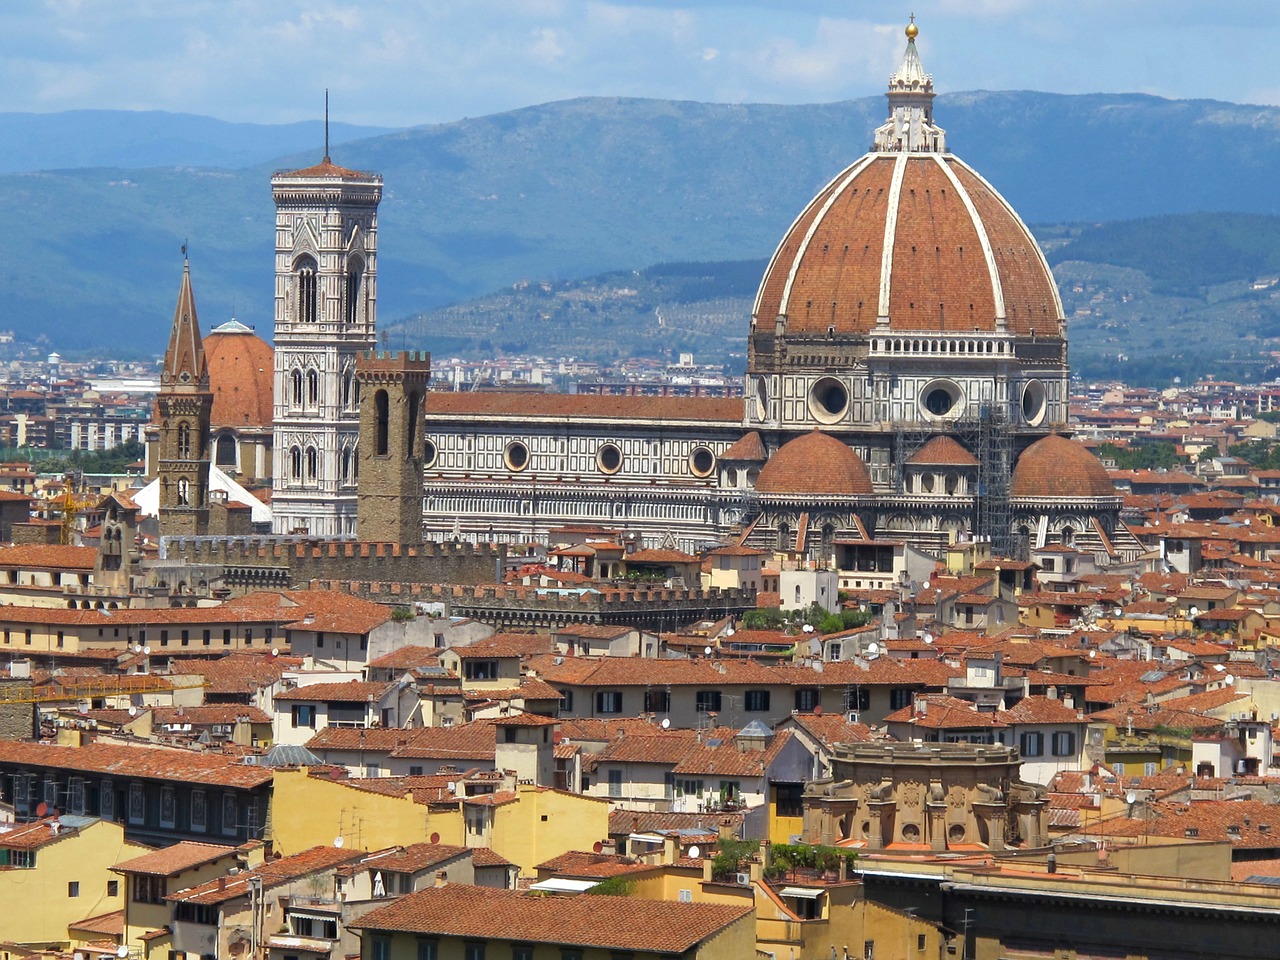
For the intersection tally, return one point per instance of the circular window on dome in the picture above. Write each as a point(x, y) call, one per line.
point(828, 400)
point(1034, 402)
point(516, 456)
point(940, 398)
point(609, 458)
point(428, 453)
point(762, 398)
point(702, 462)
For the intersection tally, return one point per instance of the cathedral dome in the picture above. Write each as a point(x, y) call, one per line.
point(1058, 467)
point(815, 465)
point(908, 239)
point(240, 376)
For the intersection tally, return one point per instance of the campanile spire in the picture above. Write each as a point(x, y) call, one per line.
point(910, 127)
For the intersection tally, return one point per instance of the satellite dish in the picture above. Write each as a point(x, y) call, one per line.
point(730, 632)
point(928, 638)
point(597, 847)
point(122, 951)
point(694, 852)
point(338, 842)
point(1131, 798)
point(83, 708)
point(707, 651)
point(137, 648)
point(42, 809)
point(435, 838)
point(146, 651)
point(1194, 610)
point(275, 651)
point(925, 585)
point(1229, 679)
point(133, 711)
point(873, 647)
point(817, 710)
point(666, 723)
point(1093, 654)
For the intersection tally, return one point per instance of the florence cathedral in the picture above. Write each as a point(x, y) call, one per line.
point(906, 381)
point(906, 384)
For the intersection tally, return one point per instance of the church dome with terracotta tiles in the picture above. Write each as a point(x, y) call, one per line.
point(240, 376)
point(1058, 467)
point(815, 464)
point(909, 238)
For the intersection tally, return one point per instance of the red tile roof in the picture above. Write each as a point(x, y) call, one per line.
point(583, 406)
point(173, 860)
point(352, 691)
point(610, 923)
point(815, 464)
point(272, 873)
point(144, 763)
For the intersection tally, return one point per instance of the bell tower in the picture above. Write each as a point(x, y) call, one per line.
point(326, 292)
point(184, 403)
point(393, 390)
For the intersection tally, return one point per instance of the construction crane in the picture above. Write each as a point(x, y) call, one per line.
point(70, 505)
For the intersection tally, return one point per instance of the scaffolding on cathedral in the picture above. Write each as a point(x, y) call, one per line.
point(995, 463)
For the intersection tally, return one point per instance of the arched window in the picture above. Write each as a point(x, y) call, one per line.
point(313, 388)
point(295, 464)
point(305, 269)
point(295, 383)
point(355, 288)
point(347, 384)
point(184, 492)
point(226, 450)
point(411, 428)
point(355, 464)
point(784, 537)
point(382, 414)
point(313, 464)
point(184, 440)
point(346, 465)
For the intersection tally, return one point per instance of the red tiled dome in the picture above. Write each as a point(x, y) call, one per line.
point(943, 451)
point(960, 257)
point(815, 465)
point(1058, 467)
point(240, 376)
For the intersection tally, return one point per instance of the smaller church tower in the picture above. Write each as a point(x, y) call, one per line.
point(393, 388)
point(184, 404)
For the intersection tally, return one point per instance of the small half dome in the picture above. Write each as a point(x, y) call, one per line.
point(1058, 467)
point(815, 465)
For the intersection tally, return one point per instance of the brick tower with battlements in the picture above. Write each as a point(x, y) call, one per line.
point(392, 452)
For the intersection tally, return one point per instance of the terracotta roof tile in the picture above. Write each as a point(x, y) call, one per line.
point(815, 464)
point(610, 923)
point(583, 406)
point(173, 860)
point(1057, 467)
point(144, 763)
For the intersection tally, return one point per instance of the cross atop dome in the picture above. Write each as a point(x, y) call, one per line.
point(910, 127)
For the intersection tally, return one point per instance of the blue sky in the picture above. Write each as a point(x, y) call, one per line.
point(406, 62)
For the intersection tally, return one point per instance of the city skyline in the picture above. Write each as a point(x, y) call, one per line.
point(406, 63)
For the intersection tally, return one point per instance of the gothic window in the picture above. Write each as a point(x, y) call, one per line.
point(411, 428)
point(295, 464)
point(784, 537)
point(295, 381)
point(355, 280)
point(355, 463)
point(313, 388)
point(382, 414)
point(226, 450)
point(346, 465)
point(184, 440)
point(305, 269)
point(313, 464)
point(347, 383)
point(184, 492)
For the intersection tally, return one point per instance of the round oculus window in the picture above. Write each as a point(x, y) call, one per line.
point(609, 458)
point(428, 453)
point(516, 456)
point(940, 398)
point(702, 462)
point(762, 398)
point(828, 400)
point(1034, 402)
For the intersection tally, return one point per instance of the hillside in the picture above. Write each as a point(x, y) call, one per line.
point(582, 187)
point(1146, 300)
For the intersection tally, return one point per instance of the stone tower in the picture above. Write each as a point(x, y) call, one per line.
point(184, 404)
point(393, 389)
point(326, 268)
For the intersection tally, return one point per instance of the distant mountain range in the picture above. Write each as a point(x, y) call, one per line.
point(558, 191)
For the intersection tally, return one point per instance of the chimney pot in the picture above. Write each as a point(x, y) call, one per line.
point(442, 877)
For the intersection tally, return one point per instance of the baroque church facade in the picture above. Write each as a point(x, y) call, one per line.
point(907, 381)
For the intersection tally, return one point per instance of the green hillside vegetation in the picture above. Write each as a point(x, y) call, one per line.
point(576, 189)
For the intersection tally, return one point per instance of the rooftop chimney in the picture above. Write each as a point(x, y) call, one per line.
point(442, 877)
